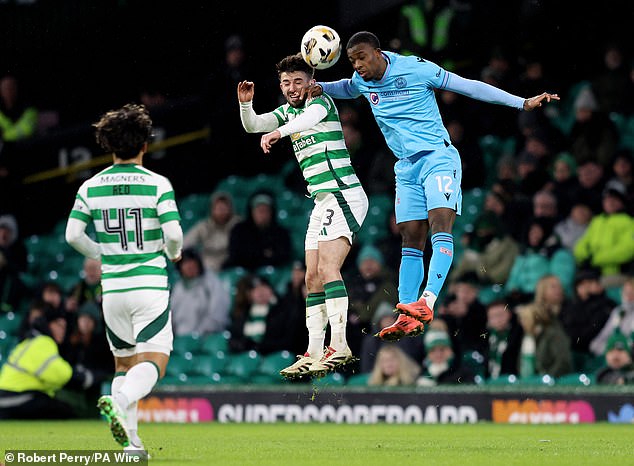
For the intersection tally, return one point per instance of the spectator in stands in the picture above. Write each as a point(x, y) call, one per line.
point(489, 251)
point(564, 185)
point(442, 366)
point(593, 135)
point(545, 344)
point(623, 172)
point(90, 356)
point(370, 345)
point(393, 368)
point(13, 291)
point(613, 88)
point(35, 372)
point(465, 315)
point(390, 247)
point(18, 118)
point(471, 156)
point(211, 235)
point(531, 175)
point(259, 240)
point(586, 314)
point(294, 301)
point(509, 205)
point(592, 180)
point(372, 285)
point(571, 228)
point(541, 254)
point(199, 301)
point(618, 369)
point(621, 317)
point(544, 205)
point(370, 158)
point(88, 289)
point(258, 320)
point(608, 243)
point(504, 335)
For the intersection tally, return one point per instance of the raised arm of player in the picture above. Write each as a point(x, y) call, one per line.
point(252, 122)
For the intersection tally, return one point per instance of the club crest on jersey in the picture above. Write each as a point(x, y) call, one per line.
point(374, 98)
point(400, 82)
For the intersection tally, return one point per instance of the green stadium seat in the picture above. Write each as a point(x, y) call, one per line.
point(334, 379)
point(278, 277)
point(576, 380)
point(505, 379)
point(358, 380)
point(214, 342)
point(535, 380)
point(489, 294)
point(208, 365)
point(178, 365)
point(9, 324)
point(243, 365)
point(273, 363)
point(184, 344)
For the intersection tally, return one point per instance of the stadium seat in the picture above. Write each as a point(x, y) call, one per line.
point(278, 277)
point(230, 278)
point(358, 380)
point(273, 363)
point(505, 379)
point(534, 380)
point(9, 323)
point(214, 342)
point(186, 344)
point(243, 365)
point(208, 365)
point(576, 380)
point(334, 379)
point(178, 365)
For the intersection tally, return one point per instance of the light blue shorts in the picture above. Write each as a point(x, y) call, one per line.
point(426, 181)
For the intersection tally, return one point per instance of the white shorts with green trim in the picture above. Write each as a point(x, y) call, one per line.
point(336, 215)
point(138, 321)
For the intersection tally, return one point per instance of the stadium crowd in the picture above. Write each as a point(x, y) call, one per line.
point(542, 282)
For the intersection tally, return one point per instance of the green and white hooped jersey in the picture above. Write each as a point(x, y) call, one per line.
point(321, 150)
point(128, 204)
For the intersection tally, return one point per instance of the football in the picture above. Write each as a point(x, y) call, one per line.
point(321, 47)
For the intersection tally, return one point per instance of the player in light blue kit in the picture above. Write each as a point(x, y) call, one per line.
point(428, 171)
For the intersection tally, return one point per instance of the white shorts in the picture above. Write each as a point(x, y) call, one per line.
point(138, 321)
point(336, 215)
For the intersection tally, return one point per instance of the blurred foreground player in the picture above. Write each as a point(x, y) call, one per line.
point(137, 224)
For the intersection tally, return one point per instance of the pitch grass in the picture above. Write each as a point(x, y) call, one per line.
point(349, 445)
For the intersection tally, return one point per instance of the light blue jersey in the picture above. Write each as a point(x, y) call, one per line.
point(404, 104)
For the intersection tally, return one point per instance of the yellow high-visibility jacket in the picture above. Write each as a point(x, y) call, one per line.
point(35, 364)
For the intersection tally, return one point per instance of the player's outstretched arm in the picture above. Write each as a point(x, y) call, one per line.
point(537, 101)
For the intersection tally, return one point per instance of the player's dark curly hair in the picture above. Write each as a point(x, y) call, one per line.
point(363, 37)
point(294, 63)
point(124, 131)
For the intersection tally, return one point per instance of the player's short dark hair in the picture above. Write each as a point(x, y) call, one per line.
point(293, 63)
point(363, 37)
point(124, 131)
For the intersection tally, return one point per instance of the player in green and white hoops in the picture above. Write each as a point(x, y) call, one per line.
point(340, 205)
point(137, 224)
